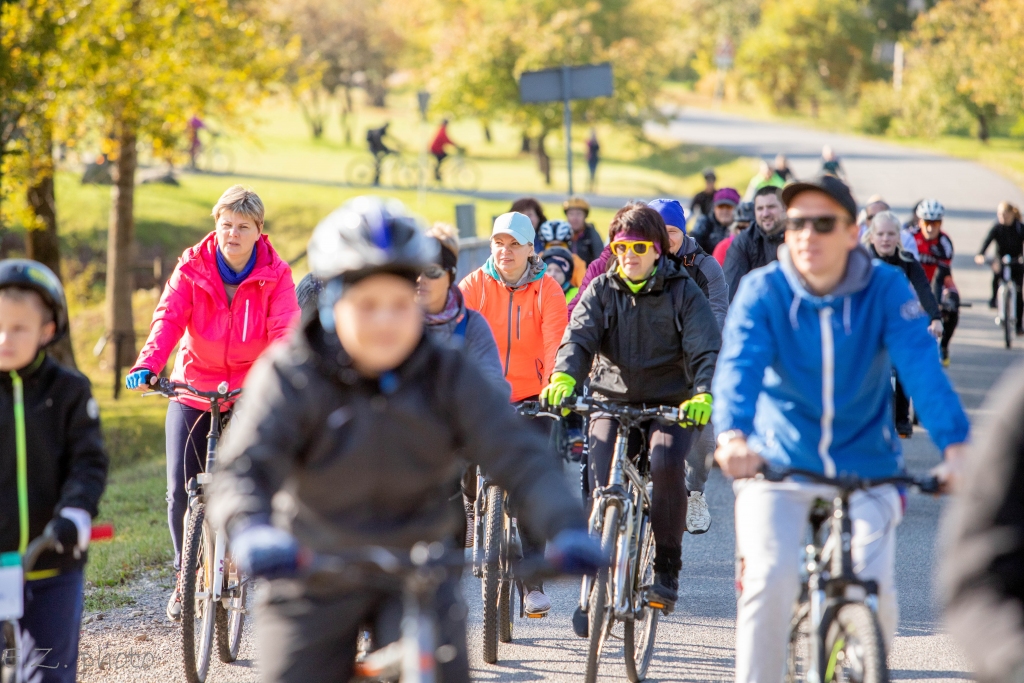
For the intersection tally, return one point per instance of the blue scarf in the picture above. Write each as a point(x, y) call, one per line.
point(229, 276)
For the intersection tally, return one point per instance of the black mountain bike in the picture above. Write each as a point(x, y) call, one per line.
point(834, 635)
point(213, 589)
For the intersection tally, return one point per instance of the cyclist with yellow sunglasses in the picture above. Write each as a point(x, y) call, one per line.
point(645, 334)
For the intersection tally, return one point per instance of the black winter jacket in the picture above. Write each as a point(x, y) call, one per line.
point(910, 266)
point(589, 245)
point(67, 464)
point(709, 232)
point(981, 575)
point(752, 248)
point(658, 346)
point(341, 461)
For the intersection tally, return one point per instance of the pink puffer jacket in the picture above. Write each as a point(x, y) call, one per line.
point(219, 342)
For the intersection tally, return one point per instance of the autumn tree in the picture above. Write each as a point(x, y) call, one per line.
point(30, 81)
point(142, 68)
point(802, 49)
point(345, 44)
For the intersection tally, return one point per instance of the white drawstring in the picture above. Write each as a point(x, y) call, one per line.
point(792, 312)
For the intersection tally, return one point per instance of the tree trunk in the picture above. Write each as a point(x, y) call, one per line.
point(543, 160)
point(346, 110)
point(42, 243)
point(982, 127)
point(525, 148)
point(487, 131)
point(120, 243)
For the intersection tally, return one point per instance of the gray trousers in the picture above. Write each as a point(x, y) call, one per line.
point(698, 460)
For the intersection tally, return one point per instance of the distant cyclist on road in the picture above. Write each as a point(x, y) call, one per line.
point(353, 435)
point(804, 380)
point(1008, 234)
point(935, 251)
point(830, 164)
point(649, 297)
point(438, 147)
point(378, 148)
point(228, 299)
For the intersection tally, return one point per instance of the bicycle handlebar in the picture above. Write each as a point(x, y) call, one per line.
point(535, 409)
point(664, 414)
point(47, 541)
point(169, 389)
point(850, 482)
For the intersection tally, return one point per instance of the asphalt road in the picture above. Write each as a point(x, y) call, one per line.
point(696, 643)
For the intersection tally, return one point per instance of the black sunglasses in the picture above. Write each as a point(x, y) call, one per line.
point(433, 272)
point(820, 224)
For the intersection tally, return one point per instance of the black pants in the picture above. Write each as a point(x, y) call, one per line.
point(901, 404)
point(185, 433)
point(305, 638)
point(950, 304)
point(668, 446)
point(52, 619)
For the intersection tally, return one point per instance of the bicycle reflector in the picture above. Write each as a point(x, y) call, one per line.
point(102, 532)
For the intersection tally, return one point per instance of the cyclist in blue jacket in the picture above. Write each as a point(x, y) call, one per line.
point(803, 380)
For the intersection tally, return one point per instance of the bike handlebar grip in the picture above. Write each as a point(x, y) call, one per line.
point(774, 474)
point(928, 485)
point(102, 532)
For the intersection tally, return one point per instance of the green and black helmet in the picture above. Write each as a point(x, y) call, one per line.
point(28, 274)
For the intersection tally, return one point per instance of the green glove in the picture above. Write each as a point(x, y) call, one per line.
point(697, 409)
point(560, 388)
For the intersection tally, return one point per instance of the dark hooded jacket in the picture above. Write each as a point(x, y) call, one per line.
point(341, 461)
point(914, 271)
point(709, 232)
point(658, 346)
point(750, 249)
point(66, 461)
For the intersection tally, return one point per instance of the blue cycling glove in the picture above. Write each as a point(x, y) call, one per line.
point(574, 551)
point(264, 550)
point(139, 379)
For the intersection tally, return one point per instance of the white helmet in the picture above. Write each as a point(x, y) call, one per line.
point(555, 231)
point(930, 210)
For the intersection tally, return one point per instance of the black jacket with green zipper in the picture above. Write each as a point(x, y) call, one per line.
point(658, 346)
point(65, 458)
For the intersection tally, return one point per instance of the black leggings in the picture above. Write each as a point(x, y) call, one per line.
point(668, 445)
point(901, 403)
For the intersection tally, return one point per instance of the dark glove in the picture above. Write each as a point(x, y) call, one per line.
point(65, 534)
point(574, 551)
point(264, 550)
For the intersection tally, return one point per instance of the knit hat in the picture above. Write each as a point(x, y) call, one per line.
point(560, 258)
point(671, 212)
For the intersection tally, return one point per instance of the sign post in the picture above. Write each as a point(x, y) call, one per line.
point(566, 84)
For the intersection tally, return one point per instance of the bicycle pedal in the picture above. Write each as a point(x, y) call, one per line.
point(536, 616)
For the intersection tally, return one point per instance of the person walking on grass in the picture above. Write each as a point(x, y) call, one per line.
point(593, 158)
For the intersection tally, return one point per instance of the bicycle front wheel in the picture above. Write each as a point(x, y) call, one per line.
point(464, 175)
point(1008, 305)
point(198, 610)
point(362, 172)
point(230, 621)
point(799, 656)
point(599, 608)
point(494, 532)
point(854, 649)
point(639, 634)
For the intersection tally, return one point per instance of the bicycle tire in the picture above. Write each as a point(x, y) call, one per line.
point(598, 612)
point(230, 622)
point(492, 572)
point(506, 614)
point(361, 172)
point(195, 570)
point(640, 633)
point(798, 656)
point(464, 176)
point(9, 652)
point(854, 645)
point(1007, 302)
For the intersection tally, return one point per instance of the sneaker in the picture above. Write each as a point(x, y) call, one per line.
point(537, 604)
point(698, 517)
point(1020, 331)
point(992, 303)
point(904, 429)
point(944, 353)
point(174, 604)
point(470, 522)
point(665, 591)
point(580, 623)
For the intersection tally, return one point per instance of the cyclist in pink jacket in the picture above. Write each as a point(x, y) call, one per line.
point(228, 299)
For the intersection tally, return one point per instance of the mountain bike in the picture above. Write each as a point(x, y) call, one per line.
point(460, 173)
point(20, 661)
point(834, 634)
point(1006, 299)
point(215, 158)
point(213, 589)
point(621, 517)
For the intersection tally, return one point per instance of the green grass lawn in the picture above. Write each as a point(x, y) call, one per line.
point(280, 160)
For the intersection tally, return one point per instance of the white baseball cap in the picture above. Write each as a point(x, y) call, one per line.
point(515, 224)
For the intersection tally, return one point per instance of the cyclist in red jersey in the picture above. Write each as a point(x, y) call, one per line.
point(437, 147)
point(935, 251)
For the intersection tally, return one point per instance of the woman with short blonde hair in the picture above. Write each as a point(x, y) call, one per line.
point(229, 298)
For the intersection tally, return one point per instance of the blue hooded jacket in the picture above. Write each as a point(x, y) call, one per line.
point(808, 378)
